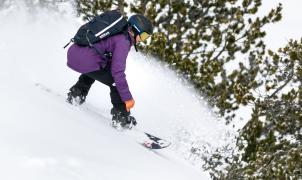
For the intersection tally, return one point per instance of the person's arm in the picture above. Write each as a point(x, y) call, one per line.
point(118, 67)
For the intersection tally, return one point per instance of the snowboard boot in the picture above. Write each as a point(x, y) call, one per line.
point(122, 119)
point(76, 95)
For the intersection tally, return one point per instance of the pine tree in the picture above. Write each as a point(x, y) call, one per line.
point(276, 150)
point(200, 39)
point(89, 8)
point(270, 143)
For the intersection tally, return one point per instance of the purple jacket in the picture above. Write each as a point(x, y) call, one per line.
point(86, 59)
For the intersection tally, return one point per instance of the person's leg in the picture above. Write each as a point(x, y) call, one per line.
point(105, 77)
point(79, 91)
point(118, 112)
point(84, 82)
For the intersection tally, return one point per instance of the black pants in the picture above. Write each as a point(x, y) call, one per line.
point(104, 76)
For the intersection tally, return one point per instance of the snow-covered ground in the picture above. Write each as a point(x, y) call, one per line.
point(43, 137)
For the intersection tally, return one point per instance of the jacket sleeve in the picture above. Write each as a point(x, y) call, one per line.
point(118, 67)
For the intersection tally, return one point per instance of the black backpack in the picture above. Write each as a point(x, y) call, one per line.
point(100, 27)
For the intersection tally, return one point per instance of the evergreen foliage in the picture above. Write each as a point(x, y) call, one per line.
point(89, 8)
point(200, 39)
point(270, 143)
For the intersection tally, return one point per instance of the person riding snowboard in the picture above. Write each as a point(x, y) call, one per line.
point(109, 71)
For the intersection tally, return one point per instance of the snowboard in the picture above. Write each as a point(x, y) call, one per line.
point(154, 142)
point(145, 139)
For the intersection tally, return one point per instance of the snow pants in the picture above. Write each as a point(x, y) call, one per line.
point(104, 76)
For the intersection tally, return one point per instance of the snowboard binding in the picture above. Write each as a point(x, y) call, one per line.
point(122, 120)
point(76, 96)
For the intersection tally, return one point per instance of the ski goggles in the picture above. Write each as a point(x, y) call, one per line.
point(144, 36)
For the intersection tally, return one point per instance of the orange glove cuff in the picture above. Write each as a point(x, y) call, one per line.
point(129, 104)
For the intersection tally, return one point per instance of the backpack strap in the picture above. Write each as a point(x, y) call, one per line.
point(103, 54)
point(71, 40)
point(109, 25)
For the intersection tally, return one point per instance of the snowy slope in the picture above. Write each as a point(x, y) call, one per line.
point(42, 137)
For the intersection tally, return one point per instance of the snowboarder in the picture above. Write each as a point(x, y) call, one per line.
point(109, 71)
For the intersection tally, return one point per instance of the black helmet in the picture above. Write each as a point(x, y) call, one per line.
point(141, 24)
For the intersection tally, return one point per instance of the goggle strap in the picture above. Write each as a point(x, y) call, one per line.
point(136, 28)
